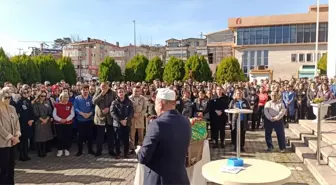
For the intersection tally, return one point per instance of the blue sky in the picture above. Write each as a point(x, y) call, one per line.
point(156, 20)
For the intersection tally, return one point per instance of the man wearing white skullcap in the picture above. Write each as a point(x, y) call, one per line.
point(166, 143)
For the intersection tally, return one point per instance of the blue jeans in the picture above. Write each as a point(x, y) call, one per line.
point(279, 128)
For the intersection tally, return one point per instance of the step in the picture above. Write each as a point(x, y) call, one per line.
point(323, 173)
point(328, 130)
point(298, 129)
point(328, 152)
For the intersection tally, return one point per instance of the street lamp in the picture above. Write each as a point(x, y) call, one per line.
point(317, 35)
point(134, 38)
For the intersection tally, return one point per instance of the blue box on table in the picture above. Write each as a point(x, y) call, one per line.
point(235, 162)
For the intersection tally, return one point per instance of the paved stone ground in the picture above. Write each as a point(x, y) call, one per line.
point(90, 170)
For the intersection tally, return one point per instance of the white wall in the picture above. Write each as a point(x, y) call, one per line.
point(331, 70)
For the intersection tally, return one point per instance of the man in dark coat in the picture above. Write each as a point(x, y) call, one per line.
point(166, 143)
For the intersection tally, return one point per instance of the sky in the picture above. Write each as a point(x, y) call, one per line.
point(112, 20)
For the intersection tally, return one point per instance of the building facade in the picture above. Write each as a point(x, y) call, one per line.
point(185, 48)
point(282, 43)
point(148, 51)
point(88, 54)
point(219, 45)
point(331, 68)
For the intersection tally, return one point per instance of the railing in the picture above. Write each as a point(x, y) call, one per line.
point(319, 133)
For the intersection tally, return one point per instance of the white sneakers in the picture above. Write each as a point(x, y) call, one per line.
point(60, 153)
point(66, 152)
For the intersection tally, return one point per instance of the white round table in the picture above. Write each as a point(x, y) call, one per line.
point(255, 172)
point(239, 112)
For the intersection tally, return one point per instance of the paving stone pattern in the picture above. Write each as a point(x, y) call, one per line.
point(105, 170)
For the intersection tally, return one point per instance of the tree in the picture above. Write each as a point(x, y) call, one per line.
point(27, 69)
point(136, 69)
point(109, 70)
point(61, 42)
point(322, 64)
point(8, 70)
point(68, 69)
point(196, 67)
point(174, 70)
point(229, 71)
point(49, 69)
point(154, 69)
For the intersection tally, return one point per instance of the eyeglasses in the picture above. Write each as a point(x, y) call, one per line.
point(7, 97)
point(43, 96)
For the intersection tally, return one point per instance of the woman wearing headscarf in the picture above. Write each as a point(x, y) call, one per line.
point(63, 115)
point(43, 131)
point(274, 112)
point(26, 118)
point(9, 137)
point(239, 102)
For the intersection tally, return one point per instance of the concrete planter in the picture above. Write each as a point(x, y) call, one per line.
point(323, 109)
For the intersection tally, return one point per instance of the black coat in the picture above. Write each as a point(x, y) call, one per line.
point(121, 110)
point(221, 104)
point(25, 112)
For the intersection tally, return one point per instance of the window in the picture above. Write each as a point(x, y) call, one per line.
point(293, 58)
point(301, 57)
point(278, 33)
point(265, 58)
point(272, 35)
point(245, 55)
point(93, 62)
point(240, 37)
point(253, 33)
point(300, 34)
point(246, 37)
point(259, 36)
point(313, 33)
point(309, 57)
point(258, 58)
point(307, 33)
point(286, 34)
point(293, 34)
point(266, 31)
point(245, 69)
point(252, 58)
point(322, 32)
point(318, 56)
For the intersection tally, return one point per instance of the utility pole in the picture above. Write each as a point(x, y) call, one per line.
point(134, 38)
point(317, 35)
point(181, 49)
point(20, 49)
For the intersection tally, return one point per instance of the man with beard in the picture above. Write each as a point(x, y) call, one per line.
point(166, 143)
point(218, 117)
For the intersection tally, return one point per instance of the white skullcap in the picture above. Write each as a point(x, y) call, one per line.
point(166, 94)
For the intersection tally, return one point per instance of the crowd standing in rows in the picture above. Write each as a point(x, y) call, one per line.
point(40, 116)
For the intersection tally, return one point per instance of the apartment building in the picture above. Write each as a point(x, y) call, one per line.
point(88, 54)
point(148, 51)
point(282, 43)
point(219, 45)
point(185, 48)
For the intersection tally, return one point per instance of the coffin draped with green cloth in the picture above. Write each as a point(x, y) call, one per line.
point(199, 134)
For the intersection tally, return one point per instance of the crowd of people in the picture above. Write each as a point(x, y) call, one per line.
point(40, 117)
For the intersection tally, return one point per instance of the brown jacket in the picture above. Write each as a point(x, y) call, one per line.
point(9, 125)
